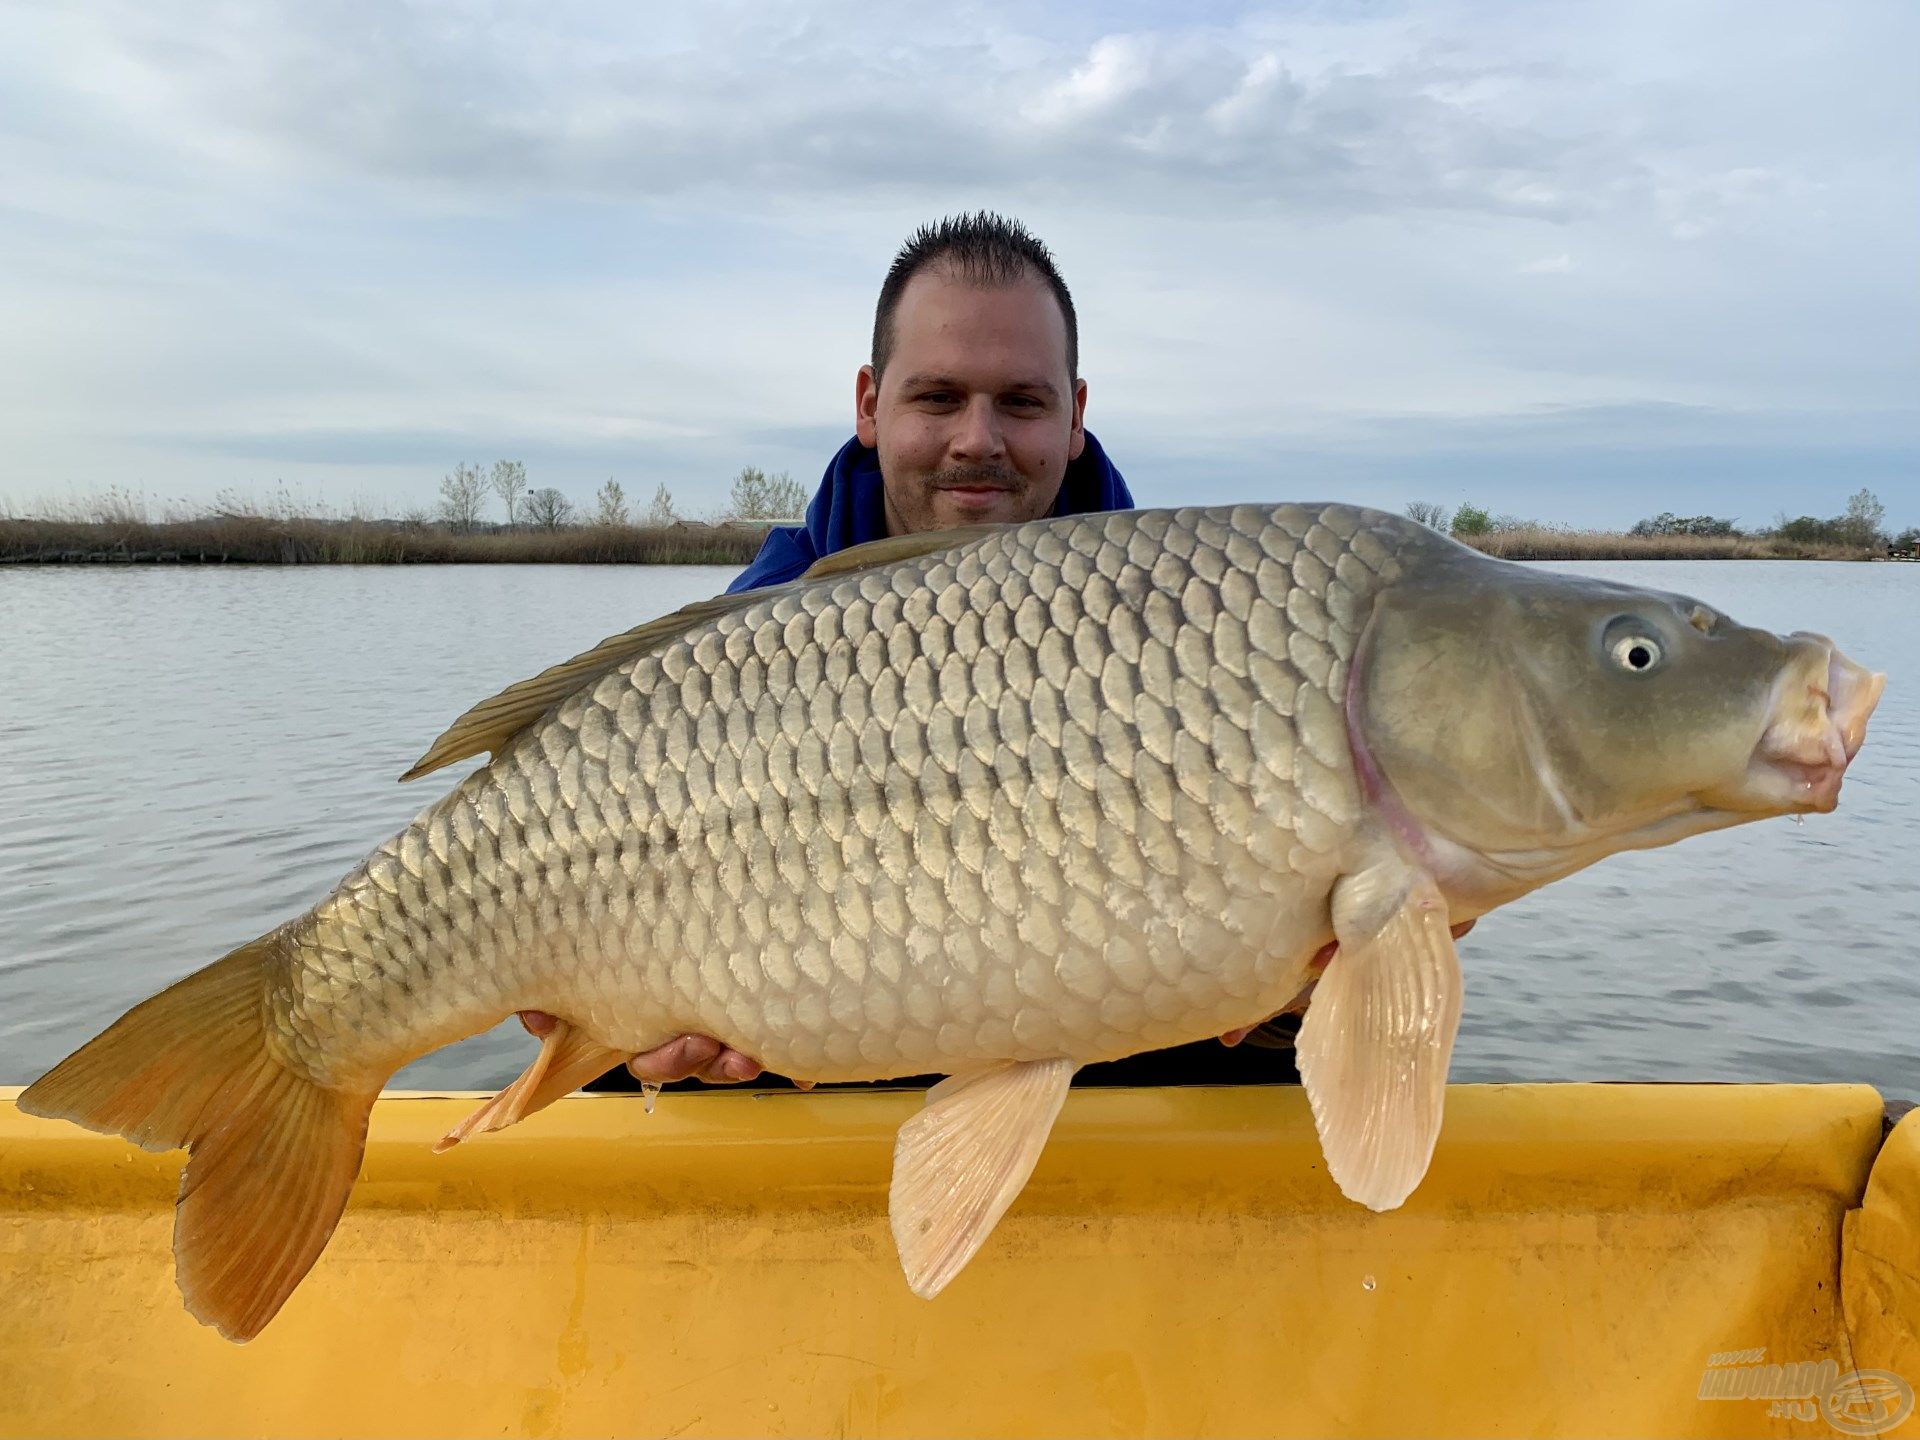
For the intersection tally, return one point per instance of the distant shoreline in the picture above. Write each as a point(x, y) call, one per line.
point(264, 540)
point(1541, 543)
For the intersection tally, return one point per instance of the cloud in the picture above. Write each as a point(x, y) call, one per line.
point(345, 240)
point(480, 101)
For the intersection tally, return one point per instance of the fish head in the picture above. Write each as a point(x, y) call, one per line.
point(1517, 724)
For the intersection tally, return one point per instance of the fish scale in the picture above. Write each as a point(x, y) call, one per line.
point(1077, 789)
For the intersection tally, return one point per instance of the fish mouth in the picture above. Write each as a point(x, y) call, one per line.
point(1817, 725)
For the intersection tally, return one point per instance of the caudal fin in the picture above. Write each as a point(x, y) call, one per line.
point(272, 1154)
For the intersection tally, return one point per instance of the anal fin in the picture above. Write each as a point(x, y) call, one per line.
point(568, 1059)
point(1375, 1046)
point(962, 1161)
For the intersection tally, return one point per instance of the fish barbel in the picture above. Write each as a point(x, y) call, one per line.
point(992, 803)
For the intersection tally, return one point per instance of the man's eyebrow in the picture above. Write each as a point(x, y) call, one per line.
point(947, 382)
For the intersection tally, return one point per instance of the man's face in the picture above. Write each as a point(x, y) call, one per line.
point(976, 417)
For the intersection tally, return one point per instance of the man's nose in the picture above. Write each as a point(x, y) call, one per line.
point(978, 437)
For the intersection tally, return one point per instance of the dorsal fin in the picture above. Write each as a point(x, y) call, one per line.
point(491, 724)
point(875, 553)
point(496, 720)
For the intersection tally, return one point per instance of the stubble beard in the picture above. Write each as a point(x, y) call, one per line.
point(933, 512)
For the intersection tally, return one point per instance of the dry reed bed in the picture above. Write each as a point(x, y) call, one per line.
point(261, 540)
point(1541, 543)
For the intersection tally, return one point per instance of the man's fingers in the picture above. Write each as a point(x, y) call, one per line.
point(730, 1067)
point(691, 1055)
point(675, 1060)
point(681, 1058)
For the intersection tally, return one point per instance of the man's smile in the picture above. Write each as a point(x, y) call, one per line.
point(976, 481)
point(975, 493)
point(971, 488)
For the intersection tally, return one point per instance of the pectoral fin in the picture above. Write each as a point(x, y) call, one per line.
point(961, 1162)
point(1374, 1049)
point(567, 1060)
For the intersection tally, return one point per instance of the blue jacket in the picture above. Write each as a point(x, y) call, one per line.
point(850, 509)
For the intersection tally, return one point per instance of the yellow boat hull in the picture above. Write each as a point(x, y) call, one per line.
point(1574, 1263)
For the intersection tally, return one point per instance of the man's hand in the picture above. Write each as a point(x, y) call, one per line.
point(1326, 953)
point(683, 1058)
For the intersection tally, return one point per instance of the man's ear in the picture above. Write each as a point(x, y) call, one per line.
point(866, 402)
point(1077, 440)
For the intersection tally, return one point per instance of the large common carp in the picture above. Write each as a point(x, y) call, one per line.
point(993, 803)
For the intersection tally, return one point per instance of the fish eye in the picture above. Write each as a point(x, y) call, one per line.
point(1636, 653)
point(1633, 643)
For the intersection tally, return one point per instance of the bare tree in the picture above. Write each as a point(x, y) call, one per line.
point(461, 495)
point(509, 483)
point(1865, 515)
point(757, 495)
point(1433, 516)
point(613, 503)
point(660, 513)
point(548, 509)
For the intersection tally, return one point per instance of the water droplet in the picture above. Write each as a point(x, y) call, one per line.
point(1798, 819)
point(648, 1090)
point(1367, 1284)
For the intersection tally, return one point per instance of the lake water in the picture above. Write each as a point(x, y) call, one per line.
point(190, 756)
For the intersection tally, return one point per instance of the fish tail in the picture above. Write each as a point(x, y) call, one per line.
point(272, 1153)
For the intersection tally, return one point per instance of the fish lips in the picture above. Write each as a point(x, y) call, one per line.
point(1817, 724)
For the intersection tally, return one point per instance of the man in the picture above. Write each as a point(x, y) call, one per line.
point(970, 411)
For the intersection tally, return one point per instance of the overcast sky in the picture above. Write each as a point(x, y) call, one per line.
point(1574, 262)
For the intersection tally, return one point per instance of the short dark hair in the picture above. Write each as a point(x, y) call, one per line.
point(983, 249)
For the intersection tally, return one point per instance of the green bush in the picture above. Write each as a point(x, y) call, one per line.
point(1472, 520)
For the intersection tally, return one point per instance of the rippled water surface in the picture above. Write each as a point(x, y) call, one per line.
point(188, 757)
